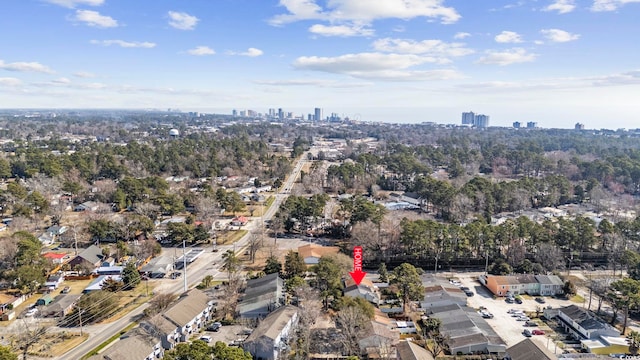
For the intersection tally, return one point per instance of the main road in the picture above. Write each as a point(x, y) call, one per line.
point(205, 265)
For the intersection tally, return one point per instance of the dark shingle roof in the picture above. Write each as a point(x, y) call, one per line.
point(528, 349)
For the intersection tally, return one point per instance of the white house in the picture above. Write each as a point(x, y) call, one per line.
point(269, 339)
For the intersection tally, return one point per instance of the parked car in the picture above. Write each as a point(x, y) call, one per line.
point(518, 300)
point(509, 300)
point(526, 333)
point(464, 288)
point(176, 274)
point(469, 293)
point(66, 290)
point(523, 318)
point(206, 338)
point(537, 332)
point(541, 300)
point(214, 327)
point(530, 323)
point(31, 312)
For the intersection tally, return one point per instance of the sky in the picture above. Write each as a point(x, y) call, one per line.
point(554, 62)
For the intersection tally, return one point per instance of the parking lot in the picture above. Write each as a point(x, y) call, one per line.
point(504, 324)
point(228, 334)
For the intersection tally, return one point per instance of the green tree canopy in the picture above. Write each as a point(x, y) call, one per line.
point(407, 278)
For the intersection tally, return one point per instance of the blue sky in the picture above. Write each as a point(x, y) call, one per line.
point(556, 62)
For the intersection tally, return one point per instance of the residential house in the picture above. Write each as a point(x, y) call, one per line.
point(57, 230)
point(86, 206)
point(158, 267)
point(550, 285)
point(110, 270)
point(528, 349)
point(46, 239)
point(53, 281)
point(188, 314)
point(522, 284)
point(408, 350)
point(438, 293)
point(365, 290)
point(312, 253)
point(56, 258)
point(270, 339)
point(89, 258)
point(262, 296)
point(97, 283)
point(379, 341)
point(466, 331)
point(239, 221)
point(60, 306)
point(136, 344)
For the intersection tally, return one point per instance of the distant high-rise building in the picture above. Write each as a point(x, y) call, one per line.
point(516, 124)
point(468, 118)
point(532, 125)
point(280, 114)
point(579, 126)
point(234, 112)
point(481, 121)
point(272, 112)
point(317, 114)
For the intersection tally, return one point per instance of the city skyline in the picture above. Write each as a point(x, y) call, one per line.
point(553, 62)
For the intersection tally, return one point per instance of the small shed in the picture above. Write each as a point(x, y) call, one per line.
point(44, 300)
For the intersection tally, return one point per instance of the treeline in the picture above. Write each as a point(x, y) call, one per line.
point(524, 245)
point(198, 155)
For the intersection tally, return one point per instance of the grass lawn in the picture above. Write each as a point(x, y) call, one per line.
point(577, 299)
point(230, 237)
point(131, 299)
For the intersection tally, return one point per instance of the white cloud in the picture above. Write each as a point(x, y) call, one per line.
point(561, 6)
point(508, 37)
point(340, 30)
point(10, 81)
point(438, 49)
point(610, 5)
point(461, 35)
point(73, 3)
point(364, 11)
point(182, 20)
point(61, 81)
point(201, 50)
point(557, 35)
point(124, 44)
point(93, 18)
point(251, 52)
point(25, 67)
point(313, 82)
point(83, 74)
point(376, 66)
point(507, 57)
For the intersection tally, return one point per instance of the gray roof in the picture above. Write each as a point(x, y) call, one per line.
point(549, 280)
point(408, 350)
point(528, 349)
point(188, 306)
point(92, 254)
point(135, 344)
point(464, 326)
point(60, 303)
point(272, 325)
point(157, 264)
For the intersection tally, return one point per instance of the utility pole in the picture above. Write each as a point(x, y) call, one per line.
point(80, 319)
point(486, 263)
point(184, 263)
